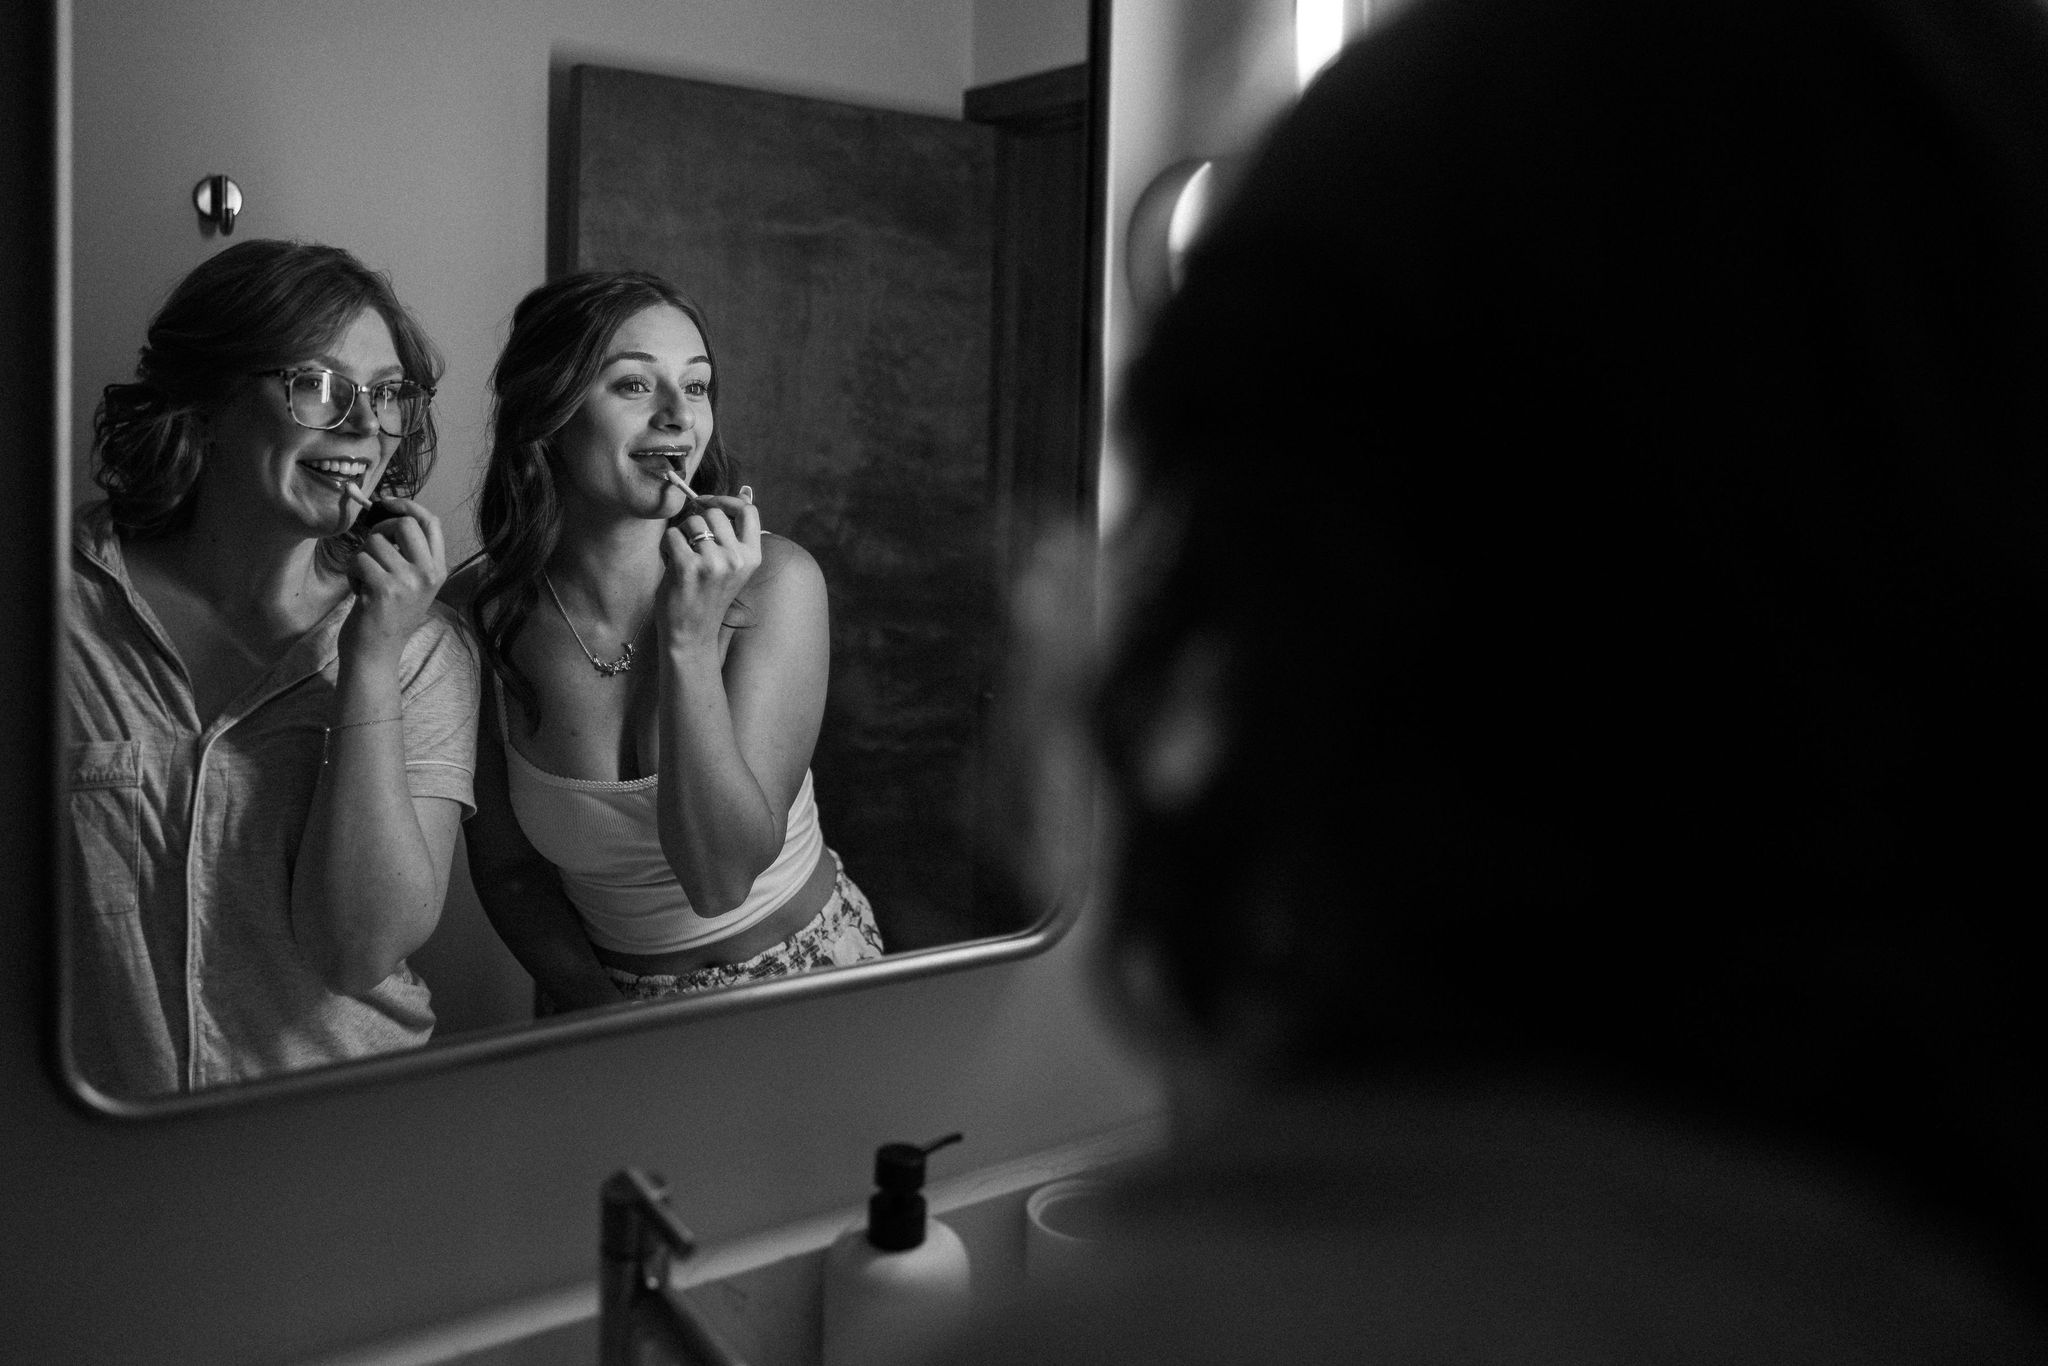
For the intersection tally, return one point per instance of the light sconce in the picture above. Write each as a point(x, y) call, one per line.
point(1164, 224)
point(1170, 214)
point(218, 200)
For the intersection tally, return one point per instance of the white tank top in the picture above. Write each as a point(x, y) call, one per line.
point(603, 838)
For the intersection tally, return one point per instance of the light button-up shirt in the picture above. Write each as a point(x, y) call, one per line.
point(182, 838)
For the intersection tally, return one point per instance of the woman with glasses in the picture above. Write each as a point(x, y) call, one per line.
point(645, 823)
point(271, 722)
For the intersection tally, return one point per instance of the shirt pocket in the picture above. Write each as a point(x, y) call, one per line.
point(104, 783)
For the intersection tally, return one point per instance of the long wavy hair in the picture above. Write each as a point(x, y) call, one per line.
point(560, 333)
point(258, 304)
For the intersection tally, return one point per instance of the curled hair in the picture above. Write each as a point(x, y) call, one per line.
point(257, 305)
point(559, 335)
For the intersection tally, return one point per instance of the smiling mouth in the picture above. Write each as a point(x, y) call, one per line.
point(338, 471)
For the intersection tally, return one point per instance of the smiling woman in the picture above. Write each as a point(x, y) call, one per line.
point(646, 824)
point(269, 721)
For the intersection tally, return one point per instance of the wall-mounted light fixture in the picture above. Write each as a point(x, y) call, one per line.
point(1163, 225)
point(1171, 212)
point(218, 199)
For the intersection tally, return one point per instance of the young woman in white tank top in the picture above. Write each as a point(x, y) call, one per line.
point(644, 816)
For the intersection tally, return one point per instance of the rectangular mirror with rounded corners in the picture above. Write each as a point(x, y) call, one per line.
point(909, 381)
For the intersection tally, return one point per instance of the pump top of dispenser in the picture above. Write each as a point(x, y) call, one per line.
point(896, 1209)
point(900, 1166)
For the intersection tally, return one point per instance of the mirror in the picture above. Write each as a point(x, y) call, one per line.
point(456, 154)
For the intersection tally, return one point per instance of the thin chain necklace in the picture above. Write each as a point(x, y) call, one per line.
point(610, 668)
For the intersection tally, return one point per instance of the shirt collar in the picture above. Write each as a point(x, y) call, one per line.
point(95, 539)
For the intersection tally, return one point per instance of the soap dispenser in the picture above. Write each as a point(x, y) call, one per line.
point(896, 1285)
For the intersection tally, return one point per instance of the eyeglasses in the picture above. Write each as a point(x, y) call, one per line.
point(322, 400)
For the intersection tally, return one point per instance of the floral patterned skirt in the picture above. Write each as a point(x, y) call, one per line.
point(843, 932)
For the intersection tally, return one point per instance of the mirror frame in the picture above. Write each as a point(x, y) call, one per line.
point(512, 1039)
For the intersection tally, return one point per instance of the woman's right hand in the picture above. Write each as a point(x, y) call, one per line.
point(709, 559)
point(398, 572)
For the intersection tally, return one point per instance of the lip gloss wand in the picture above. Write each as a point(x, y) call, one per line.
point(371, 514)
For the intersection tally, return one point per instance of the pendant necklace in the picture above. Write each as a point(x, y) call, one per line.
point(609, 668)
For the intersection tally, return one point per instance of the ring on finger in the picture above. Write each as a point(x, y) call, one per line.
point(702, 537)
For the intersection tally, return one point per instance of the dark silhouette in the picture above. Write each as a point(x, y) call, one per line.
point(1575, 712)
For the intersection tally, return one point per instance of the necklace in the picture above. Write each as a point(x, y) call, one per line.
point(610, 668)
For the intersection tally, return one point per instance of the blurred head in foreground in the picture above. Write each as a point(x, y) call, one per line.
point(1582, 618)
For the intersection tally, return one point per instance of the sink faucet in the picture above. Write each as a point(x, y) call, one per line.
point(637, 1236)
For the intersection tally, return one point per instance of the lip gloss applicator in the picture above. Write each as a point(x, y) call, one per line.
point(371, 514)
point(691, 499)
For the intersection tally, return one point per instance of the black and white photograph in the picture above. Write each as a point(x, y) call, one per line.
point(992, 682)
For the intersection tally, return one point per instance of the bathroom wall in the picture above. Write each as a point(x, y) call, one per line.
point(272, 1234)
point(1015, 38)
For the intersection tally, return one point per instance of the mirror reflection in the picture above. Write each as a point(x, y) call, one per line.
point(385, 635)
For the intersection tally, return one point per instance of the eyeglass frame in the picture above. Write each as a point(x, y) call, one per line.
point(356, 390)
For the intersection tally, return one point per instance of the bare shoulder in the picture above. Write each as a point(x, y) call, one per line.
point(786, 593)
point(788, 573)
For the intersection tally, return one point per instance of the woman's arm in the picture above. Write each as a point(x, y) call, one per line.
point(736, 735)
point(372, 871)
point(520, 889)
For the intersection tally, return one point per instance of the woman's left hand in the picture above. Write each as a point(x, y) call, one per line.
point(709, 557)
point(397, 573)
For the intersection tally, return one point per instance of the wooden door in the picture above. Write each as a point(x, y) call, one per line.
point(844, 259)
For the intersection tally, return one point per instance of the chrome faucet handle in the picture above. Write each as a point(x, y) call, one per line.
point(629, 1193)
point(636, 1238)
